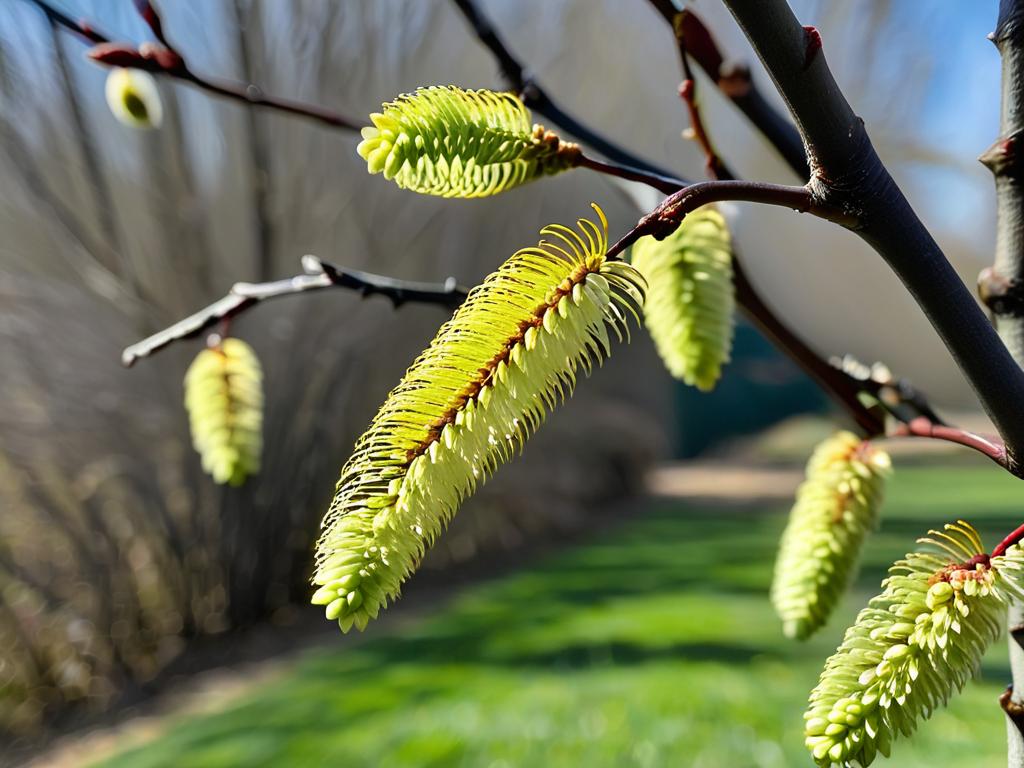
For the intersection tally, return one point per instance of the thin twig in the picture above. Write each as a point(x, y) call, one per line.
point(990, 446)
point(734, 81)
point(714, 165)
point(664, 219)
point(162, 58)
point(318, 275)
point(1012, 538)
point(664, 184)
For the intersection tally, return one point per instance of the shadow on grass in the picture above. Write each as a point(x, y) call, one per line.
point(660, 630)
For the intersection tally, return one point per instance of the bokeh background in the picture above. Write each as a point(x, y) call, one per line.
point(638, 632)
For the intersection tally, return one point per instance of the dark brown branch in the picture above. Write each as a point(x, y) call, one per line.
point(897, 396)
point(842, 387)
point(847, 173)
point(664, 184)
point(318, 275)
point(252, 94)
point(735, 83)
point(537, 99)
point(164, 59)
point(664, 219)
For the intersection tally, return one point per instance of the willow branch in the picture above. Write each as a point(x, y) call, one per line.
point(318, 275)
point(847, 173)
point(162, 58)
point(664, 219)
point(846, 379)
point(840, 386)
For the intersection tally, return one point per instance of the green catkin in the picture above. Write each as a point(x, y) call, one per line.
point(468, 403)
point(133, 98)
point(690, 299)
point(915, 644)
point(836, 507)
point(224, 400)
point(450, 142)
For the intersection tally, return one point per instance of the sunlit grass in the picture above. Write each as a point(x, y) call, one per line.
point(651, 644)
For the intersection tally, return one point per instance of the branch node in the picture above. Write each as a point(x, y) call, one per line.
point(1003, 295)
point(812, 44)
point(1003, 158)
point(1014, 710)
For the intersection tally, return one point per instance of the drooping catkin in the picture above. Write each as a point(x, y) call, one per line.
point(468, 403)
point(836, 507)
point(224, 400)
point(690, 296)
point(916, 644)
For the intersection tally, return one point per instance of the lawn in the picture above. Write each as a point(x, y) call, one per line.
point(651, 643)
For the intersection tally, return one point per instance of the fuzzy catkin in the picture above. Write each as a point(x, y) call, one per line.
point(915, 644)
point(836, 507)
point(509, 354)
point(133, 97)
point(451, 142)
point(224, 400)
point(690, 297)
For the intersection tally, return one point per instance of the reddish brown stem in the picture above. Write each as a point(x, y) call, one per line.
point(664, 184)
point(714, 166)
point(713, 163)
point(734, 82)
point(252, 94)
point(992, 447)
point(1009, 541)
point(664, 219)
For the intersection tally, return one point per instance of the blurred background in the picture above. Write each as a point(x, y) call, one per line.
point(582, 609)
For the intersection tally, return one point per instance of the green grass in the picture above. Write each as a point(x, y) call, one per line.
point(651, 644)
